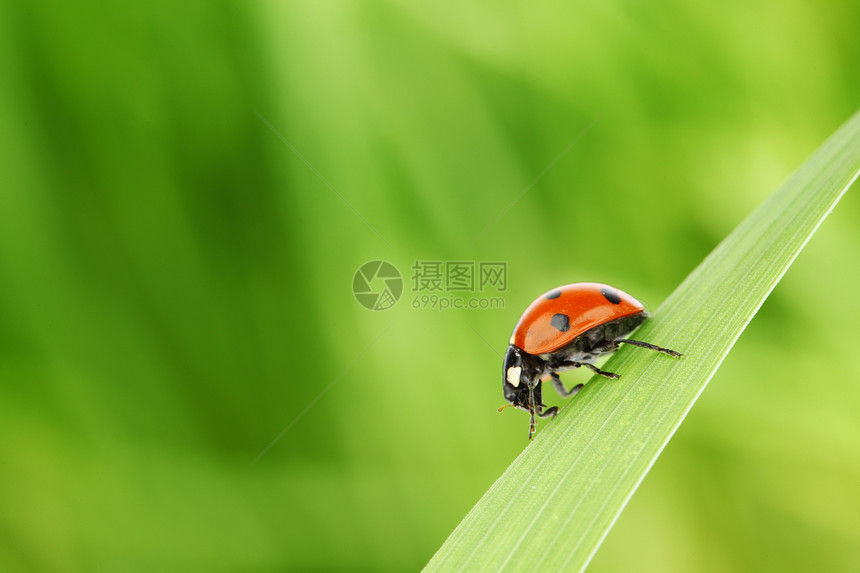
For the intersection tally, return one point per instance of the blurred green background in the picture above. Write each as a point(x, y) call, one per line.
point(188, 189)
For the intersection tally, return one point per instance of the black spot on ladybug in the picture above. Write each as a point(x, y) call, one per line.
point(553, 294)
point(610, 295)
point(560, 321)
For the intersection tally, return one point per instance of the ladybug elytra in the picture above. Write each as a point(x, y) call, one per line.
point(565, 328)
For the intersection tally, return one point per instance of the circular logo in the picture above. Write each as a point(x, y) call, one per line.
point(377, 285)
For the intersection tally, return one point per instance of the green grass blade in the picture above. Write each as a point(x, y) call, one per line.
point(557, 501)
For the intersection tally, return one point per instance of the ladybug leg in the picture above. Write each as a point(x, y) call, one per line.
point(533, 409)
point(592, 367)
point(549, 412)
point(640, 344)
point(532, 424)
point(559, 387)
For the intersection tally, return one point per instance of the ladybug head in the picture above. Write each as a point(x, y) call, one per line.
point(517, 383)
point(522, 384)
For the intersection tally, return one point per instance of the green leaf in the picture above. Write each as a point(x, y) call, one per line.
point(557, 501)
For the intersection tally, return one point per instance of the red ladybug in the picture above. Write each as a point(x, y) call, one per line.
point(568, 327)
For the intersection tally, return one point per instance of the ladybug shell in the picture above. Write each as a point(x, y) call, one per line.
point(562, 314)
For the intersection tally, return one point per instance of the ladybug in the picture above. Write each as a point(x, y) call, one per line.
point(565, 328)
